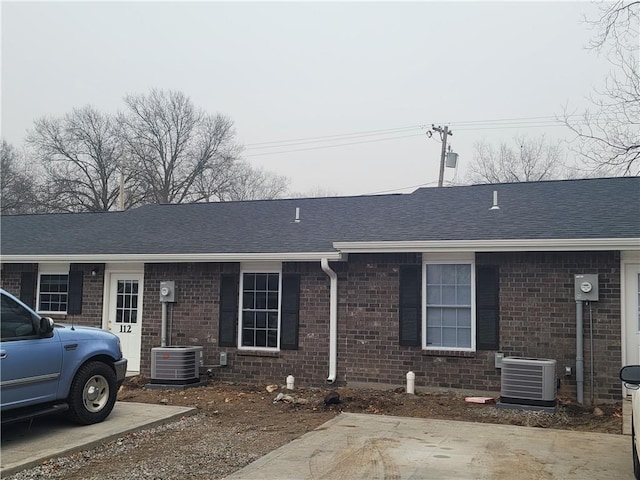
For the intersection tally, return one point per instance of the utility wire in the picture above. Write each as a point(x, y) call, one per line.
point(402, 188)
point(333, 146)
point(471, 125)
point(307, 142)
point(357, 134)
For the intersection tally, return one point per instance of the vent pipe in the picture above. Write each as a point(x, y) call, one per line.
point(297, 219)
point(495, 201)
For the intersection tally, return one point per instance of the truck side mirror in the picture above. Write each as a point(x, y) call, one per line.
point(46, 326)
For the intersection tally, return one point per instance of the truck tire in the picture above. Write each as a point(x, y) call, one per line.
point(93, 393)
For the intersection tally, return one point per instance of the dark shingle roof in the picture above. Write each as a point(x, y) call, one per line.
point(568, 209)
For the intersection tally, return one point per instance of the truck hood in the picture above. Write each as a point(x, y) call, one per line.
point(75, 332)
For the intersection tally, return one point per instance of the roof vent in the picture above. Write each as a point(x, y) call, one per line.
point(297, 219)
point(495, 201)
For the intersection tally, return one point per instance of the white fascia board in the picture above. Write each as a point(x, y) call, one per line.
point(177, 258)
point(513, 245)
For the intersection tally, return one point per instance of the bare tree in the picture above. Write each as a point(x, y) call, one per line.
point(249, 183)
point(315, 192)
point(177, 151)
point(162, 149)
point(529, 160)
point(18, 185)
point(609, 133)
point(81, 154)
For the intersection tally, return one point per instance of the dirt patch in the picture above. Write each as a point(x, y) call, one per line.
point(230, 402)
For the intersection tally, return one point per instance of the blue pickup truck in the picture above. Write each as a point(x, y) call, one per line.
point(47, 368)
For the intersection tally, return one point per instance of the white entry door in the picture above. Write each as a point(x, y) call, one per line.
point(125, 315)
point(631, 309)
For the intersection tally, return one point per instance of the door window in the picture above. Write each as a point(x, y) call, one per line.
point(127, 304)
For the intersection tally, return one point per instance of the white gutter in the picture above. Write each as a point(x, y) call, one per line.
point(175, 258)
point(513, 245)
point(333, 320)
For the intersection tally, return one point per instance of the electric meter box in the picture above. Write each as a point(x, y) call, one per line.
point(167, 292)
point(586, 287)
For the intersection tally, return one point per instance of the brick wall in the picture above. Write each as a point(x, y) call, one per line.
point(92, 295)
point(368, 351)
point(538, 314)
point(193, 318)
point(92, 291)
point(10, 276)
point(537, 319)
point(194, 321)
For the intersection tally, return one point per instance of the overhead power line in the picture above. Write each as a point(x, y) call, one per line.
point(401, 188)
point(333, 146)
point(342, 139)
point(337, 136)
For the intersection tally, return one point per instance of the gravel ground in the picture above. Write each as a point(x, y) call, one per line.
point(236, 425)
point(194, 447)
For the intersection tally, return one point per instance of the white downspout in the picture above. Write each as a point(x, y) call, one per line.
point(333, 320)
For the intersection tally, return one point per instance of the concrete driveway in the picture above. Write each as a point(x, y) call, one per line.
point(25, 445)
point(356, 446)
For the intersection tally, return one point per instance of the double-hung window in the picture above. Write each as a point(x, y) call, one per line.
point(53, 289)
point(260, 309)
point(451, 304)
point(448, 311)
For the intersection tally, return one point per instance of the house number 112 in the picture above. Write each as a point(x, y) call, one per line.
point(125, 328)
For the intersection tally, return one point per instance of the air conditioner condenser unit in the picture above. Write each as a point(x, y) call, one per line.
point(528, 381)
point(176, 365)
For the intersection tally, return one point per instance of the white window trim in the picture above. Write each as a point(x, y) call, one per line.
point(51, 269)
point(260, 267)
point(454, 260)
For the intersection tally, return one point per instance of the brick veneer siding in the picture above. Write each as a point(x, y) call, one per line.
point(538, 314)
point(537, 319)
point(11, 273)
point(193, 318)
point(92, 291)
point(194, 321)
point(92, 295)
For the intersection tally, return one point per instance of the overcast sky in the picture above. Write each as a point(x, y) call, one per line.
point(300, 70)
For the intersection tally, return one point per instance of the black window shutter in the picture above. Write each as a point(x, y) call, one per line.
point(290, 315)
point(74, 305)
point(228, 321)
point(28, 288)
point(487, 307)
point(410, 305)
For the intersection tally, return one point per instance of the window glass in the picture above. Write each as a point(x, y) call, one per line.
point(54, 293)
point(260, 307)
point(15, 320)
point(127, 301)
point(448, 302)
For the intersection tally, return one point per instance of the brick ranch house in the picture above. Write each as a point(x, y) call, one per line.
point(354, 290)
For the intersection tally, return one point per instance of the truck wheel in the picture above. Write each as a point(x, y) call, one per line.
point(93, 393)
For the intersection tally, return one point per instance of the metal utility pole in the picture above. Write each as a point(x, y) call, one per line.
point(444, 133)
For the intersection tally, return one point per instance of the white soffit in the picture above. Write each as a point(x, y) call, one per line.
point(631, 244)
point(177, 258)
